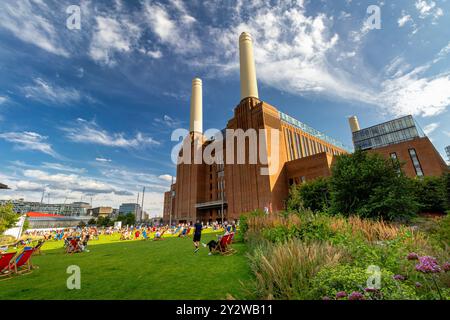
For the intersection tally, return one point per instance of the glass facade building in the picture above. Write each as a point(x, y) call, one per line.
point(384, 134)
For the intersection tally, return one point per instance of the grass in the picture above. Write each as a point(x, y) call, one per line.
point(124, 270)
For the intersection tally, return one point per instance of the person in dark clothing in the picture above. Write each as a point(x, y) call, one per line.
point(197, 235)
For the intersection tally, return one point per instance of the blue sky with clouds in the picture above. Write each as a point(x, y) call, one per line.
point(90, 112)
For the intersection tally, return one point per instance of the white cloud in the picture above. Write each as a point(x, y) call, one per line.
point(176, 32)
point(48, 93)
point(89, 132)
point(166, 177)
point(62, 167)
point(168, 121)
point(29, 141)
point(72, 182)
point(3, 99)
point(427, 8)
point(112, 36)
point(429, 129)
point(415, 94)
point(26, 20)
point(103, 160)
point(403, 20)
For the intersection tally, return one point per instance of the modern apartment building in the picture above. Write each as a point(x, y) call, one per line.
point(101, 212)
point(133, 208)
point(402, 140)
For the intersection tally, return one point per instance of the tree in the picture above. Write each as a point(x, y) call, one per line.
point(8, 218)
point(315, 195)
point(430, 194)
point(91, 222)
point(128, 219)
point(446, 179)
point(369, 185)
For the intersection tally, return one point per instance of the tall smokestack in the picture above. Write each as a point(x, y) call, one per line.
point(196, 106)
point(354, 124)
point(249, 86)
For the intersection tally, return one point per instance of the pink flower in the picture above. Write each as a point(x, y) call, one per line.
point(356, 296)
point(413, 256)
point(446, 266)
point(399, 277)
point(341, 294)
point(428, 264)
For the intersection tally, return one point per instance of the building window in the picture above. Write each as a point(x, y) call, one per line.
point(299, 147)
point(305, 145)
point(416, 162)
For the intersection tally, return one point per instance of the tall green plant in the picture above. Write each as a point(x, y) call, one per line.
point(315, 194)
point(8, 218)
point(430, 194)
point(369, 185)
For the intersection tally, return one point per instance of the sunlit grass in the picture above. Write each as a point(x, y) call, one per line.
point(114, 269)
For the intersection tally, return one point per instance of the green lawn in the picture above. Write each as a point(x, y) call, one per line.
point(140, 269)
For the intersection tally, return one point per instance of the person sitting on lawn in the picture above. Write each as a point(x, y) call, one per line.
point(137, 234)
point(83, 244)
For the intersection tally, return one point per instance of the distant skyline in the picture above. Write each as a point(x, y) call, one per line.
point(90, 112)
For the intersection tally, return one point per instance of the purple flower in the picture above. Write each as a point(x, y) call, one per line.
point(326, 298)
point(356, 296)
point(446, 266)
point(399, 277)
point(413, 256)
point(418, 285)
point(341, 294)
point(428, 264)
point(371, 290)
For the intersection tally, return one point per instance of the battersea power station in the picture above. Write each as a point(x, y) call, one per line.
point(288, 152)
point(261, 152)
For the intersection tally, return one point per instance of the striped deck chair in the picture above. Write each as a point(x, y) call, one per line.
point(22, 262)
point(5, 260)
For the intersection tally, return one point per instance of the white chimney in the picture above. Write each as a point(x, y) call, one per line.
point(354, 124)
point(196, 124)
point(249, 86)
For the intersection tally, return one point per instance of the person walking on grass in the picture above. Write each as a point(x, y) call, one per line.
point(197, 235)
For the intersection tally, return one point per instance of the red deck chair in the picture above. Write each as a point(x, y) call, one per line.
point(5, 259)
point(188, 232)
point(223, 245)
point(22, 263)
point(73, 246)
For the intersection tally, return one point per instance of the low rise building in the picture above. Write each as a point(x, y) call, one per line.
point(401, 140)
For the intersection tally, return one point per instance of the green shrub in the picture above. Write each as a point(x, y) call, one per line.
point(446, 181)
point(369, 185)
point(243, 220)
point(8, 218)
point(346, 278)
point(442, 232)
point(313, 195)
point(430, 194)
point(284, 271)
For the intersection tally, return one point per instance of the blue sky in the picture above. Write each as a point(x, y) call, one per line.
point(89, 113)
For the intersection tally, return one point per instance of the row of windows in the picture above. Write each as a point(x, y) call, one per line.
point(385, 128)
point(387, 139)
point(414, 159)
point(300, 146)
